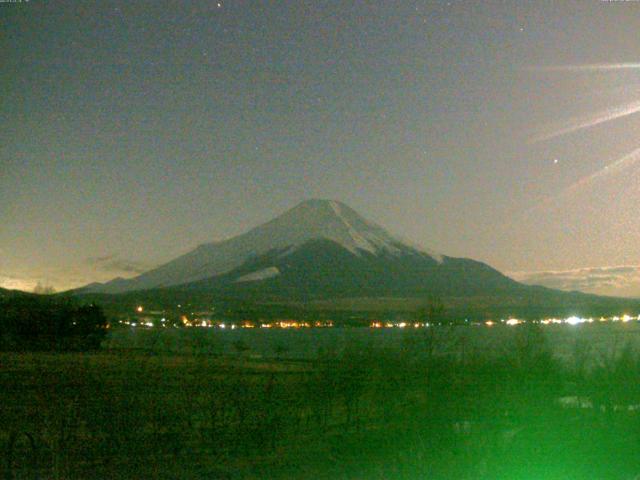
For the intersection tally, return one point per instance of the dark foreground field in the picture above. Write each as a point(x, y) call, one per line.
point(362, 413)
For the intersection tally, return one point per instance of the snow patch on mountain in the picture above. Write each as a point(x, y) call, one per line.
point(263, 274)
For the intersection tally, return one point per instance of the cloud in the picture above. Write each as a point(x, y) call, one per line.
point(113, 264)
point(620, 166)
point(590, 67)
point(580, 123)
point(623, 280)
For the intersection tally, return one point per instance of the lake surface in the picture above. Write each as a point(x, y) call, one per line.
point(598, 340)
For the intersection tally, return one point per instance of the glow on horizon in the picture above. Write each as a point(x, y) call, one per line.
point(11, 283)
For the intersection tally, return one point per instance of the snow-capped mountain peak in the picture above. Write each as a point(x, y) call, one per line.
point(324, 219)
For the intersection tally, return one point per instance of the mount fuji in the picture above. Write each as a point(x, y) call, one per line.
point(318, 249)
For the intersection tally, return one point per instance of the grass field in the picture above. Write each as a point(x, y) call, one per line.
point(363, 412)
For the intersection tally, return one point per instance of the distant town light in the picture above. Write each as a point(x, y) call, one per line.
point(574, 320)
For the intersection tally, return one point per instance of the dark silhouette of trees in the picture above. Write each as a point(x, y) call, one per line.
point(45, 323)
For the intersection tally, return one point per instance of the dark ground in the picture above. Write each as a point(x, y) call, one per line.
point(362, 413)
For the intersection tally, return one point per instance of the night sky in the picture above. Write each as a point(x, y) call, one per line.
point(501, 131)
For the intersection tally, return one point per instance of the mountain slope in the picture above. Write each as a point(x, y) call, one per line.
point(323, 268)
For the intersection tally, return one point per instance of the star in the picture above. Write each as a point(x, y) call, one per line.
point(555, 161)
